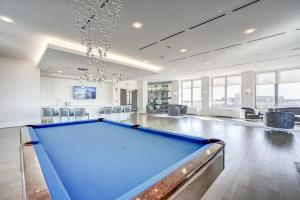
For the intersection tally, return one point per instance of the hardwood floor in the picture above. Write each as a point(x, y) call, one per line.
point(258, 164)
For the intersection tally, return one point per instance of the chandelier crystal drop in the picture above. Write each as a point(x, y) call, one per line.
point(97, 21)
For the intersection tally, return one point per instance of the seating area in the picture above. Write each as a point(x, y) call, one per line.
point(170, 109)
point(50, 115)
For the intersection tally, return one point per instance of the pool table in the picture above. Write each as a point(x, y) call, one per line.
point(103, 159)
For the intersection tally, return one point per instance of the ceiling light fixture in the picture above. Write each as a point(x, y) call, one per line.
point(249, 31)
point(207, 63)
point(137, 25)
point(97, 22)
point(7, 19)
point(183, 50)
point(261, 65)
point(60, 72)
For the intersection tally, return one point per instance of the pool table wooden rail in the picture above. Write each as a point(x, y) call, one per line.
point(34, 184)
point(189, 181)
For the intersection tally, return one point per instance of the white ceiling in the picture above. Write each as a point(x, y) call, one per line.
point(39, 19)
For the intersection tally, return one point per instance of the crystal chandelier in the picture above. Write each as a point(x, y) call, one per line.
point(97, 20)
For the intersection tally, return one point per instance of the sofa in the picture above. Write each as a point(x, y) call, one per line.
point(295, 110)
point(157, 109)
point(280, 120)
point(177, 110)
point(250, 114)
point(170, 109)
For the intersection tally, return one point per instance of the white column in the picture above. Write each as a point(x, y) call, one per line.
point(248, 89)
point(142, 96)
point(116, 92)
point(176, 92)
point(205, 95)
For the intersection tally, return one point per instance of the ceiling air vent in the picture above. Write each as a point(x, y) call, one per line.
point(292, 56)
point(241, 64)
point(246, 5)
point(170, 36)
point(266, 37)
point(82, 69)
point(295, 49)
point(144, 47)
point(207, 21)
point(175, 60)
point(227, 47)
point(198, 54)
point(267, 60)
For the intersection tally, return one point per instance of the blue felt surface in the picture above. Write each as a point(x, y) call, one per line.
point(101, 160)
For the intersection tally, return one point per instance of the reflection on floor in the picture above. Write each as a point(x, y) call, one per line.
point(258, 164)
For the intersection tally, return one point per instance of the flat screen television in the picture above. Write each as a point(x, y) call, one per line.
point(84, 92)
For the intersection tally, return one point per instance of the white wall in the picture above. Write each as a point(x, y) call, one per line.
point(57, 91)
point(142, 96)
point(248, 89)
point(176, 92)
point(20, 93)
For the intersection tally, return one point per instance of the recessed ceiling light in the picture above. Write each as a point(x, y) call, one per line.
point(249, 31)
point(60, 72)
point(146, 61)
point(207, 63)
point(137, 25)
point(183, 50)
point(7, 19)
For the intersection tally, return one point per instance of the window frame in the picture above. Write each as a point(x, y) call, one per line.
point(192, 92)
point(276, 85)
point(225, 105)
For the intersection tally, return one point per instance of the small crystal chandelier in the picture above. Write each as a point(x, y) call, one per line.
point(97, 20)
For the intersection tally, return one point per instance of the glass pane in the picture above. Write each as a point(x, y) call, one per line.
point(290, 76)
point(186, 97)
point(197, 83)
point(265, 96)
point(234, 80)
point(187, 84)
point(219, 96)
point(233, 95)
point(265, 78)
point(289, 95)
point(218, 81)
point(197, 97)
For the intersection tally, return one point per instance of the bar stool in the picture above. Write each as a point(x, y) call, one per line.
point(64, 112)
point(80, 112)
point(107, 112)
point(118, 111)
point(48, 114)
point(127, 111)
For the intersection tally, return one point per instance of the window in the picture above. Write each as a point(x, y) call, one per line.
point(265, 90)
point(187, 93)
point(191, 93)
point(196, 93)
point(233, 91)
point(226, 91)
point(289, 88)
point(219, 92)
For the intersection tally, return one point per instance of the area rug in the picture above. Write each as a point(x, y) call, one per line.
point(171, 117)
